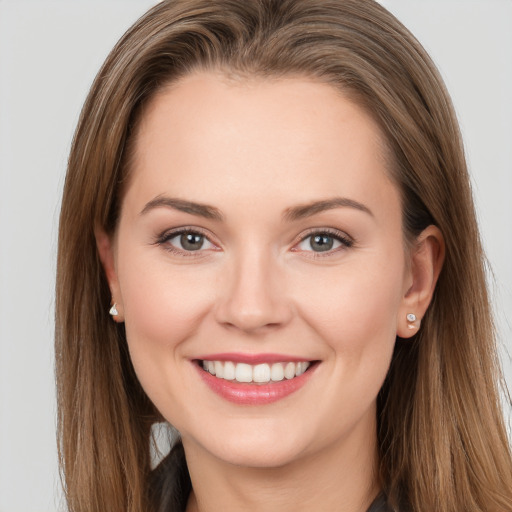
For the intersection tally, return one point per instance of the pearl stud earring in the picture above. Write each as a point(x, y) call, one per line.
point(113, 310)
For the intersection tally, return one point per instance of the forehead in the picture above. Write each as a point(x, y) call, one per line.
point(293, 139)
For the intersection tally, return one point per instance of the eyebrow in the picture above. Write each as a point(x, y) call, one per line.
point(307, 210)
point(290, 214)
point(202, 210)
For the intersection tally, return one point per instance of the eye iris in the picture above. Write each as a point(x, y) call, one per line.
point(191, 241)
point(321, 243)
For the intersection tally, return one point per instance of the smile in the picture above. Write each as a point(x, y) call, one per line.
point(254, 380)
point(259, 373)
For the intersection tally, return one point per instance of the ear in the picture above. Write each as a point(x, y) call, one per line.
point(105, 245)
point(426, 262)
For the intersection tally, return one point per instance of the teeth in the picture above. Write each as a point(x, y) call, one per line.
point(229, 370)
point(259, 373)
point(301, 368)
point(289, 370)
point(277, 372)
point(219, 369)
point(243, 372)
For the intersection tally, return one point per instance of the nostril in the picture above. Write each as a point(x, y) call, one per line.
point(236, 316)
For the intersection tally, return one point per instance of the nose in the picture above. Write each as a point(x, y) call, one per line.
point(253, 295)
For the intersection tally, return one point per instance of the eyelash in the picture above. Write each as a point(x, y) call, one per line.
point(165, 237)
point(343, 239)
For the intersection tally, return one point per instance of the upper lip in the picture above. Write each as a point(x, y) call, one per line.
point(253, 359)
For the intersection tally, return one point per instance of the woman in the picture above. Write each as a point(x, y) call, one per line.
point(271, 200)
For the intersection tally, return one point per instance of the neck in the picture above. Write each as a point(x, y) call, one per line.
point(343, 477)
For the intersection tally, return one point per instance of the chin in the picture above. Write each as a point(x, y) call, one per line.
point(258, 457)
point(253, 451)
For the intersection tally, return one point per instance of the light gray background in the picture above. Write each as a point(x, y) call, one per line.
point(49, 53)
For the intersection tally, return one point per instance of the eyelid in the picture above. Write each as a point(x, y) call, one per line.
point(345, 240)
point(163, 238)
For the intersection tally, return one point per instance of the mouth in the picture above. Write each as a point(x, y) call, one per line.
point(253, 381)
point(262, 373)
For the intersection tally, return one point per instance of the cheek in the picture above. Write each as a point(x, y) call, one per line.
point(163, 307)
point(163, 303)
point(354, 313)
point(356, 307)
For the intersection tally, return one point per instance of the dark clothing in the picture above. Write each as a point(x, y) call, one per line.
point(171, 485)
point(380, 504)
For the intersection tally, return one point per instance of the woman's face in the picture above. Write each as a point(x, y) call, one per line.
point(260, 236)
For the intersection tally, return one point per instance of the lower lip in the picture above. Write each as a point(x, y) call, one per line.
point(254, 394)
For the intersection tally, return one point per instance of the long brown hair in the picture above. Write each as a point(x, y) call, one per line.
point(443, 444)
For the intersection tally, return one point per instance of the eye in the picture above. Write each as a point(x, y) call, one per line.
point(323, 241)
point(185, 241)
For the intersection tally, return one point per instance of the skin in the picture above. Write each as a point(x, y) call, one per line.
point(255, 151)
